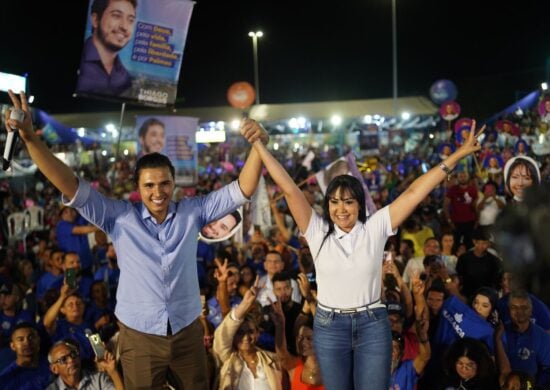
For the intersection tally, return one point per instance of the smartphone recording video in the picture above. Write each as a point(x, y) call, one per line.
point(97, 345)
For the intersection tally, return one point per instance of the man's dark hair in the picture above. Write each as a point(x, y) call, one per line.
point(148, 123)
point(430, 259)
point(237, 217)
point(24, 325)
point(409, 243)
point(153, 160)
point(281, 277)
point(99, 6)
point(65, 254)
point(438, 286)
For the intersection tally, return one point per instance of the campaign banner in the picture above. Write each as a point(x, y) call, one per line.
point(133, 50)
point(459, 320)
point(173, 136)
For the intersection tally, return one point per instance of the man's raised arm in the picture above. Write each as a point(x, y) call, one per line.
point(61, 176)
point(250, 174)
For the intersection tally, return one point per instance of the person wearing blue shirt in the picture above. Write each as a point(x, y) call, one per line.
point(405, 373)
point(72, 236)
point(527, 345)
point(83, 282)
point(29, 370)
point(11, 313)
point(72, 324)
point(540, 312)
point(109, 273)
point(53, 276)
point(158, 299)
point(226, 281)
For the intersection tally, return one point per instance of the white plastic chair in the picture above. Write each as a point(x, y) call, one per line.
point(36, 215)
point(18, 224)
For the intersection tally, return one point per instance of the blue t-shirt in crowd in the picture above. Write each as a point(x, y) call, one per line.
point(15, 377)
point(404, 377)
point(78, 243)
point(529, 352)
point(7, 323)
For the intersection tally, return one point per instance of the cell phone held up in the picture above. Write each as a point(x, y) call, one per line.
point(97, 345)
point(70, 277)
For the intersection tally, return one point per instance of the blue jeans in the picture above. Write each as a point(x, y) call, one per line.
point(353, 350)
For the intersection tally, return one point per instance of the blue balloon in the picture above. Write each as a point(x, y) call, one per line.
point(443, 91)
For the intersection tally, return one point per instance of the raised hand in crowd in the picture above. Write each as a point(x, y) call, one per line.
point(248, 300)
point(390, 268)
point(305, 289)
point(108, 364)
point(221, 274)
point(422, 323)
point(50, 317)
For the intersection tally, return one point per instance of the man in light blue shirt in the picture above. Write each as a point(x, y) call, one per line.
point(158, 301)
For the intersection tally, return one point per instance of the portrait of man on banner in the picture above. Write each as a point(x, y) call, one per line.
point(101, 69)
point(133, 50)
point(173, 136)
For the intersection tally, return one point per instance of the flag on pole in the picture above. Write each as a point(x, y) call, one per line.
point(345, 166)
point(369, 203)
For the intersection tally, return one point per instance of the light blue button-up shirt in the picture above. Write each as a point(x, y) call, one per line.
point(158, 262)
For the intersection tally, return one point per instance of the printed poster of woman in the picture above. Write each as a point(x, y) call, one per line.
point(544, 110)
point(492, 166)
point(508, 132)
point(461, 132)
point(449, 111)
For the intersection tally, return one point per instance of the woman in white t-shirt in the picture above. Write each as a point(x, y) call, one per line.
point(352, 338)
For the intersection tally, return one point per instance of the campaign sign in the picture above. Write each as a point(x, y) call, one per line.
point(133, 50)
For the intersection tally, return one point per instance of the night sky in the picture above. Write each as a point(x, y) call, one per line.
point(495, 52)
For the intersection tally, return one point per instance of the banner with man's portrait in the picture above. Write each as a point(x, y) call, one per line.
point(173, 136)
point(133, 50)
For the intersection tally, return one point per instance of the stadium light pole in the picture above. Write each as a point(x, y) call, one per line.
point(255, 36)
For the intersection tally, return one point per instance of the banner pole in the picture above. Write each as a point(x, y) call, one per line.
point(122, 109)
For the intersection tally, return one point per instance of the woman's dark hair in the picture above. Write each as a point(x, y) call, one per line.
point(474, 350)
point(252, 270)
point(345, 183)
point(492, 294)
point(153, 160)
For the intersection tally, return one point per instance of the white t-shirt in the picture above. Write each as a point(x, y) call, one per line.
point(247, 380)
point(349, 265)
point(489, 213)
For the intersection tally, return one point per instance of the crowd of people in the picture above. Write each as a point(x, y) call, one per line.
point(413, 295)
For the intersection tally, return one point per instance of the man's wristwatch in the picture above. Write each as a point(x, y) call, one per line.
point(448, 280)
